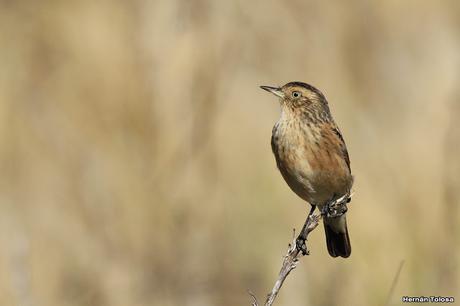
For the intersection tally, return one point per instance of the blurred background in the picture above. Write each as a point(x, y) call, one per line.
point(135, 156)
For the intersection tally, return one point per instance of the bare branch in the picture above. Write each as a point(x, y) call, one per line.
point(254, 299)
point(298, 248)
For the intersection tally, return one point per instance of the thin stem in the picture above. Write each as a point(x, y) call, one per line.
point(296, 251)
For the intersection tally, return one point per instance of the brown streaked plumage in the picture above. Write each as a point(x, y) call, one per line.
point(311, 155)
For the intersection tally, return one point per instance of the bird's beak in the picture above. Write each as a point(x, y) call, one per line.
point(274, 90)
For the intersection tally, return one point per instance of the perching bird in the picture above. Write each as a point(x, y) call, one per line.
point(311, 155)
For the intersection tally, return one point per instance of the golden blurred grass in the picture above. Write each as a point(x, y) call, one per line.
point(135, 157)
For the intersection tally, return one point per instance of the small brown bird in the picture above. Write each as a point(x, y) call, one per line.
point(312, 156)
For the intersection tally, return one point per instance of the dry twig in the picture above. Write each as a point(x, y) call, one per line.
point(298, 248)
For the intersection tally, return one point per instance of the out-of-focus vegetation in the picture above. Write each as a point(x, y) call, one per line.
point(135, 155)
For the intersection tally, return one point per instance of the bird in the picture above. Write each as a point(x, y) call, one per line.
point(312, 156)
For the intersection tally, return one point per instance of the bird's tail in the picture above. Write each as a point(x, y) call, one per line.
point(338, 241)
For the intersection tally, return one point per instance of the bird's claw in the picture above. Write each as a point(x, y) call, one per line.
point(335, 210)
point(301, 246)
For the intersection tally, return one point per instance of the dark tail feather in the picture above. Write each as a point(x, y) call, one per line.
point(338, 242)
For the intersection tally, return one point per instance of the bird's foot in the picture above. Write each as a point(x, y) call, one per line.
point(301, 246)
point(335, 209)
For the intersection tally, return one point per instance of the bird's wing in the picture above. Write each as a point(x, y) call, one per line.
point(343, 146)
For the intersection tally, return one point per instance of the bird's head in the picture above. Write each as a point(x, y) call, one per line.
point(297, 95)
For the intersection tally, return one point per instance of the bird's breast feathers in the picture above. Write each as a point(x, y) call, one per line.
point(311, 159)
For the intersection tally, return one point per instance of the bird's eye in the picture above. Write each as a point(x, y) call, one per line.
point(296, 94)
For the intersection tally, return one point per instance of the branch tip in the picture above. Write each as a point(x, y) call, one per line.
point(333, 208)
